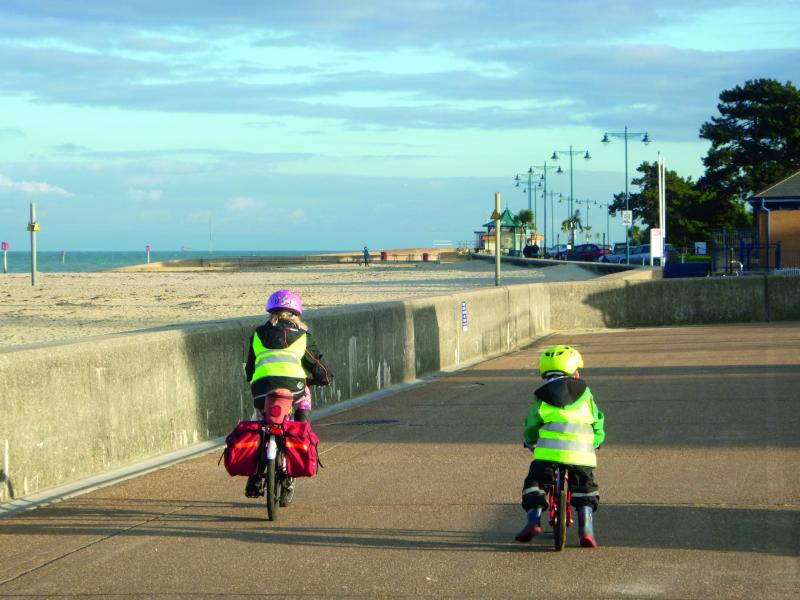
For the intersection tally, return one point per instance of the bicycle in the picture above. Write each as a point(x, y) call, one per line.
point(559, 498)
point(278, 486)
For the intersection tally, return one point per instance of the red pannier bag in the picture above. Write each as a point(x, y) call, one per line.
point(241, 449)
point(301, 448)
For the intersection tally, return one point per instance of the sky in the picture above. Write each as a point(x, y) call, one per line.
point(318, 125)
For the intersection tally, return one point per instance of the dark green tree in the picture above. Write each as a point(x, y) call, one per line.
point(691, 211)
point(755, 142)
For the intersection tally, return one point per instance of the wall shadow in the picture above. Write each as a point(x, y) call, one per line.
point(770, 531)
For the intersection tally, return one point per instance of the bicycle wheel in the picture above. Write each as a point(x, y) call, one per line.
point(272, 490)
point(560, 528)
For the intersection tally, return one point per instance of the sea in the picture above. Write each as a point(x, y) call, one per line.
point(89, 261)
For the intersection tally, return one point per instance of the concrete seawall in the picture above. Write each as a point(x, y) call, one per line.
point(73, 410)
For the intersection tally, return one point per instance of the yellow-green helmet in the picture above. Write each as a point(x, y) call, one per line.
point(560, 359)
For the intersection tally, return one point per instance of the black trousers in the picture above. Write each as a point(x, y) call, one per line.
point(585, 490)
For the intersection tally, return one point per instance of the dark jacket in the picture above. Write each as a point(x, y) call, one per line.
point(282, 335)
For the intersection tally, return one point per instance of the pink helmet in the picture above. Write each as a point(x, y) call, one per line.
point(286, 300)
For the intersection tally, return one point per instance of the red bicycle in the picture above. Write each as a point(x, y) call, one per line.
point(278, 486)
point(559, 498)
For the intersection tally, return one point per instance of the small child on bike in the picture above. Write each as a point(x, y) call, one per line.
point(283, 356)
point(565, 426)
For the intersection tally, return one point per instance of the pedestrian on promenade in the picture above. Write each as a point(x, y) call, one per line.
point(366, 256)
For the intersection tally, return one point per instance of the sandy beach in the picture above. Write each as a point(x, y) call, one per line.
point(73, 305)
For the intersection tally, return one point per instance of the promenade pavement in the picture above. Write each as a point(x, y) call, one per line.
point(419, 497)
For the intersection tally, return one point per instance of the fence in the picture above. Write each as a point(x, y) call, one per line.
point(738, 251)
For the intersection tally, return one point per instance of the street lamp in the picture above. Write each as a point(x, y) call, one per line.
point(571, 153)
point(645, 139)
point(543, 179)
point(530, 190)
point(608, 220)
point(552, 212)
point(517, 179)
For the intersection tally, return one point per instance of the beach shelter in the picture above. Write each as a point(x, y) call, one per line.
point(512, 234)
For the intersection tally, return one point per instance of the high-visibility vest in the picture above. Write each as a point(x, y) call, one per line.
point(279, 362)
point(567, 436)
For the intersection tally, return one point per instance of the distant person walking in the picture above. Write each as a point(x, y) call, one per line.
point(366, 256)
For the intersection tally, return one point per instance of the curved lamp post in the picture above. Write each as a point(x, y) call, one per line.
point(570, 153)
point(624, 135)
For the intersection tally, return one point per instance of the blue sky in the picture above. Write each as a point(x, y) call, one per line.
point(330, 125)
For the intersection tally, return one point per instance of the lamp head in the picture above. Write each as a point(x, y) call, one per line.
point(646, 139)
point(586, 156)
point(530, 170)
point(555, 155)
point(559, 170)
point(605, 139)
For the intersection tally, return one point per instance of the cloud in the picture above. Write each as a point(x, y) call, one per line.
point(32, 187)
point(245, 204)
point(11, 132)
point(145, 195)
point(297, 215)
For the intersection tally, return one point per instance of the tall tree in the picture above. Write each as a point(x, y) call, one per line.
point(755, 142)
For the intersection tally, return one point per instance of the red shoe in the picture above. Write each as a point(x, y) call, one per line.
point(527, 533)
point(585, 528)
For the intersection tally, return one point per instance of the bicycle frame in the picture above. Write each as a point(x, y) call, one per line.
point(560, 481)
point(277, 408)
point(559, 499)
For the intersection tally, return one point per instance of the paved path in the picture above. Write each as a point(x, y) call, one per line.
point(700, 482)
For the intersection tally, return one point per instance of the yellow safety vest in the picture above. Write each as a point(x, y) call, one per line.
point(279, 362)
point(567, 435)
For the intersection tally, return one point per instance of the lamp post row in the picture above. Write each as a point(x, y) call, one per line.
point(624, 135)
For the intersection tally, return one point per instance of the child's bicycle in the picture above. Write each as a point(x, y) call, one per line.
point(559, 498)
point(278, 486)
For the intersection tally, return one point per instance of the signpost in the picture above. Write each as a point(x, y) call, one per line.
point(33, 227)
point(627, 218)
point(655, 245)
point(496, 217)
point(4, 247)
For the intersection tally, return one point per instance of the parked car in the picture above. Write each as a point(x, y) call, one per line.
point(557, 252)
point(642, 255)
point(618, 254)
point(588, 252)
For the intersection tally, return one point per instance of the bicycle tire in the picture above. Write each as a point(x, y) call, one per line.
point(560, 530)
point(272, 490)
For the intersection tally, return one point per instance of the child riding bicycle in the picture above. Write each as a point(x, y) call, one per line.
point(283, 356)
point(565, 426)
